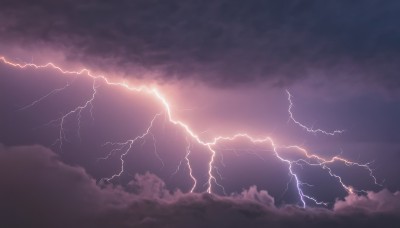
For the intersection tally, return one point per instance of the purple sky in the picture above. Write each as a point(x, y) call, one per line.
point(224, 68)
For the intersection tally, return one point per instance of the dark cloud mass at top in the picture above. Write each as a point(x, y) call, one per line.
point(221, 42)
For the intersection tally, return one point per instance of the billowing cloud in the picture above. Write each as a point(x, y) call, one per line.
point(221, 42)
point(38, 190)
point(383, 201)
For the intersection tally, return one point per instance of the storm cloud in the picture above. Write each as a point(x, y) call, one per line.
point(221, 43)
point(39, 190)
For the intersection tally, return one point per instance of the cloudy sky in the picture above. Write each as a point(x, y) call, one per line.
point(76, 151)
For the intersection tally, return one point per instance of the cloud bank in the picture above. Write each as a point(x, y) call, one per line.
point(220, 43)
point(38, 190)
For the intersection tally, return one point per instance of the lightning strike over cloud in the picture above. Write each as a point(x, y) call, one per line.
point(210, 145)
point(188, 151)
point(129, 144)
point(186, 158)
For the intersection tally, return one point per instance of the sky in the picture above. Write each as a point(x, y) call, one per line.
point(199, 113)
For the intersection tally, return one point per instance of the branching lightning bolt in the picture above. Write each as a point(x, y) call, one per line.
point(211, 145)
point(78, 112)
point(129, 144)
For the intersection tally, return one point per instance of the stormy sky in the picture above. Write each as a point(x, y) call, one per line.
point(224, 67)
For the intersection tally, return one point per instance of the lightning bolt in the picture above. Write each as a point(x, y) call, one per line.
point(35, 102)
point(187, 154)
point(129, 144)
point(308, 129)
point(211, 145)
point(78, 112)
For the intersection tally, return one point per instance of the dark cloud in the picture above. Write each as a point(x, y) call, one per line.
point(219, 42)
point(40, 191)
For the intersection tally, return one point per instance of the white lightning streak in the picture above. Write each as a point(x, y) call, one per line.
point(54, 91)
point(308, 129)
